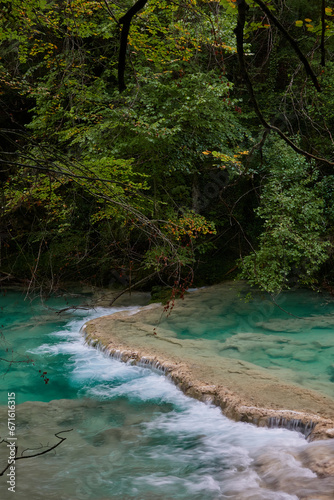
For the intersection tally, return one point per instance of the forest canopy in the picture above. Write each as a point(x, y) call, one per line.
point(186, 143)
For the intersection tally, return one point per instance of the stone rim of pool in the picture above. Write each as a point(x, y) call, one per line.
point(244, 391)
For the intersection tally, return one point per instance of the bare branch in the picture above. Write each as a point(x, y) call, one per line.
point(239, 31)
point(35, 454)
point(292, 41)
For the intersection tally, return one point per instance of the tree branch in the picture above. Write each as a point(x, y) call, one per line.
point(36, 454)
point(239, 31)
point(292, 41)
point(126, 21)
point(323, 29)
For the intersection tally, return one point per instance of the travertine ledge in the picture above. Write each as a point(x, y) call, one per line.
point(243, 391)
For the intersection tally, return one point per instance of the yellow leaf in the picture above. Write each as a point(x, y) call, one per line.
point(299, 23)
point(308, 20)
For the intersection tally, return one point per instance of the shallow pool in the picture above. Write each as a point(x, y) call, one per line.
point(130, 434)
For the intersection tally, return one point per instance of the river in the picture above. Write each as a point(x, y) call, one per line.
point(130, 434)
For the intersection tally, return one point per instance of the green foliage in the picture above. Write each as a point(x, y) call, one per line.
point(292, 246)
point(98, 157)
point(326, 187)
point(173, 121)
point(96, 181)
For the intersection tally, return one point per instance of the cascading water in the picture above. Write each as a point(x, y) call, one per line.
point(135, 435)
point(293, 425)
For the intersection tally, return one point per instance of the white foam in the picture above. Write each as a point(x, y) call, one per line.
point(220, 453)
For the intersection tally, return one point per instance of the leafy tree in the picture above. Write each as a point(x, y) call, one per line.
point(93, 158)
point(293, 244)
point(99, 181)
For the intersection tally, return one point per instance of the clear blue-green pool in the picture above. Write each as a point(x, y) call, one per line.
point(132, 434)
point(292, 337)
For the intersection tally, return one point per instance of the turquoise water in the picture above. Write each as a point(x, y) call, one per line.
point(131, 433)
point(293, 339)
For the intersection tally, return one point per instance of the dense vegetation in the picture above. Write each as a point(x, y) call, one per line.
point(210, 151)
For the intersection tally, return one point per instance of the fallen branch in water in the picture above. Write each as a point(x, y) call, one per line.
point(62, 439)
